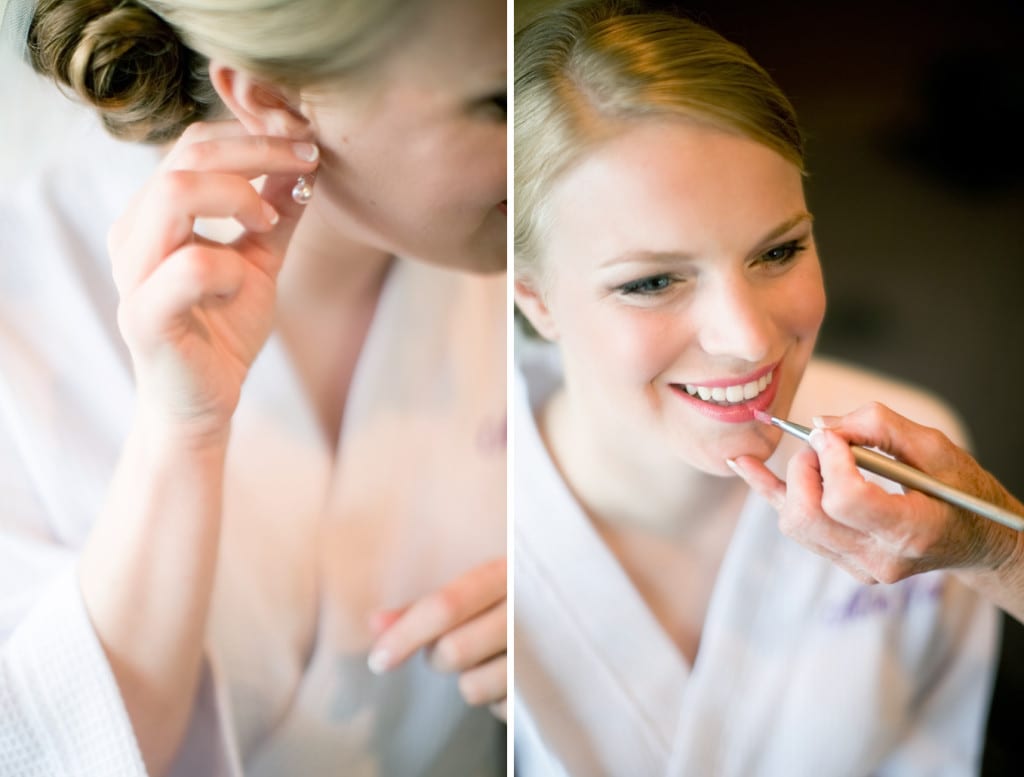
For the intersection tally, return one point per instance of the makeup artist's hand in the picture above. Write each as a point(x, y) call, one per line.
point(194, 312)
point(463, 628)
point(827, 505)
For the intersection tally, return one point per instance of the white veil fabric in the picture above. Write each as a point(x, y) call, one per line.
point(37, 119)
point(15, 19)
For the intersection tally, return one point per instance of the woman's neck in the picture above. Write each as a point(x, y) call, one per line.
point(325, 265)
point(621, 485)
point(667, 524)
point(327, 298)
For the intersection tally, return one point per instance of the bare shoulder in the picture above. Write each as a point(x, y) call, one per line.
point(833, 387)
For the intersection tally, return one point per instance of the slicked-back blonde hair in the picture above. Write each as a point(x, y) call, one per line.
point(144, 63)
point(585, 70)
point(296, 42)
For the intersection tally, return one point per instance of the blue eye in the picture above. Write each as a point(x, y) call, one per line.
point(646, 286)
point(783, 253)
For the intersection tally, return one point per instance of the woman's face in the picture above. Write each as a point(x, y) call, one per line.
point(413, 156)
point(681, 276)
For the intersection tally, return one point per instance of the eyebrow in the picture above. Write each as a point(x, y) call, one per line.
point(657, 257)
point(785, 226)
point(491, 81)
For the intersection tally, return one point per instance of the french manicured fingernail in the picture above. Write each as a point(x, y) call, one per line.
point(734, 466)
point(816, 439)
point(307, 152)
point(825, 421)
point(272, 215)
point(379, 661)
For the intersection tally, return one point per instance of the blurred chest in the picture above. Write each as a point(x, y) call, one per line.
point(317, 538)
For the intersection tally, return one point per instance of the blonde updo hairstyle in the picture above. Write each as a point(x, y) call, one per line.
point(585, 71)
point(144, 65)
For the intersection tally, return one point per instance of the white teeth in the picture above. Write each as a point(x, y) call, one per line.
point(741, 392)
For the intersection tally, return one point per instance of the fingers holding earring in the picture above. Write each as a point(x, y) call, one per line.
point(302, 192)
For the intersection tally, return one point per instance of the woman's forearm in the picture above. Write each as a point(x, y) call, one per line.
point(147, 574)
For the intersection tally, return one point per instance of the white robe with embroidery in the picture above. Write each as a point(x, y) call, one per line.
point(801, 671)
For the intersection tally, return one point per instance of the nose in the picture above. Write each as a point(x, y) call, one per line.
point(735, 319)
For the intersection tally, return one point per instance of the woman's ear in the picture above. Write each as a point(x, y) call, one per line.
point(262, 108)
point(532, 305)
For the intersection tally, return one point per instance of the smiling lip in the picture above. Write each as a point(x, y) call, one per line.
point(722, 382)
point(740, 412)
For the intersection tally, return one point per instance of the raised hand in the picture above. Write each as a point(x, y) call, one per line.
point(194, 312)
point(826, 504)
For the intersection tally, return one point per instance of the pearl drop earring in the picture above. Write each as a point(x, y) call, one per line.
point(303, 191)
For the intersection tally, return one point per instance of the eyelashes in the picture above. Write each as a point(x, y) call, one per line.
point(774, 259)
point(647, 286)
point(784, 253)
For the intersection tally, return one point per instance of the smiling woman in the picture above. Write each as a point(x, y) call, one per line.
point(664, 623)
point(711, 283)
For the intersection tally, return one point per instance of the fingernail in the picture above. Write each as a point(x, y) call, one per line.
point(825, 421)
point(272, 215)
point(379, 661)
point(307, 152)
point(816, 439)
point(733, 465)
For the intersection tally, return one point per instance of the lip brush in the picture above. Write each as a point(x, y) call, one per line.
point(907, 476)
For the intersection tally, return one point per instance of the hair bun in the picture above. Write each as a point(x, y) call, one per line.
point(127, 62)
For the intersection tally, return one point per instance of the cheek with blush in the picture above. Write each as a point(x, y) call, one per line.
point(806, 297)
point(639, 346)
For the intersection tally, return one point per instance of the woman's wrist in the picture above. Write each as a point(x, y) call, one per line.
point(1013, 562)
point(1001, 579)
point(1005, 546)
point(159, 430)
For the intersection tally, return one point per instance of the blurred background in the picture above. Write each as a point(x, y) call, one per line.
point(37, 122)
point(914, 113)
